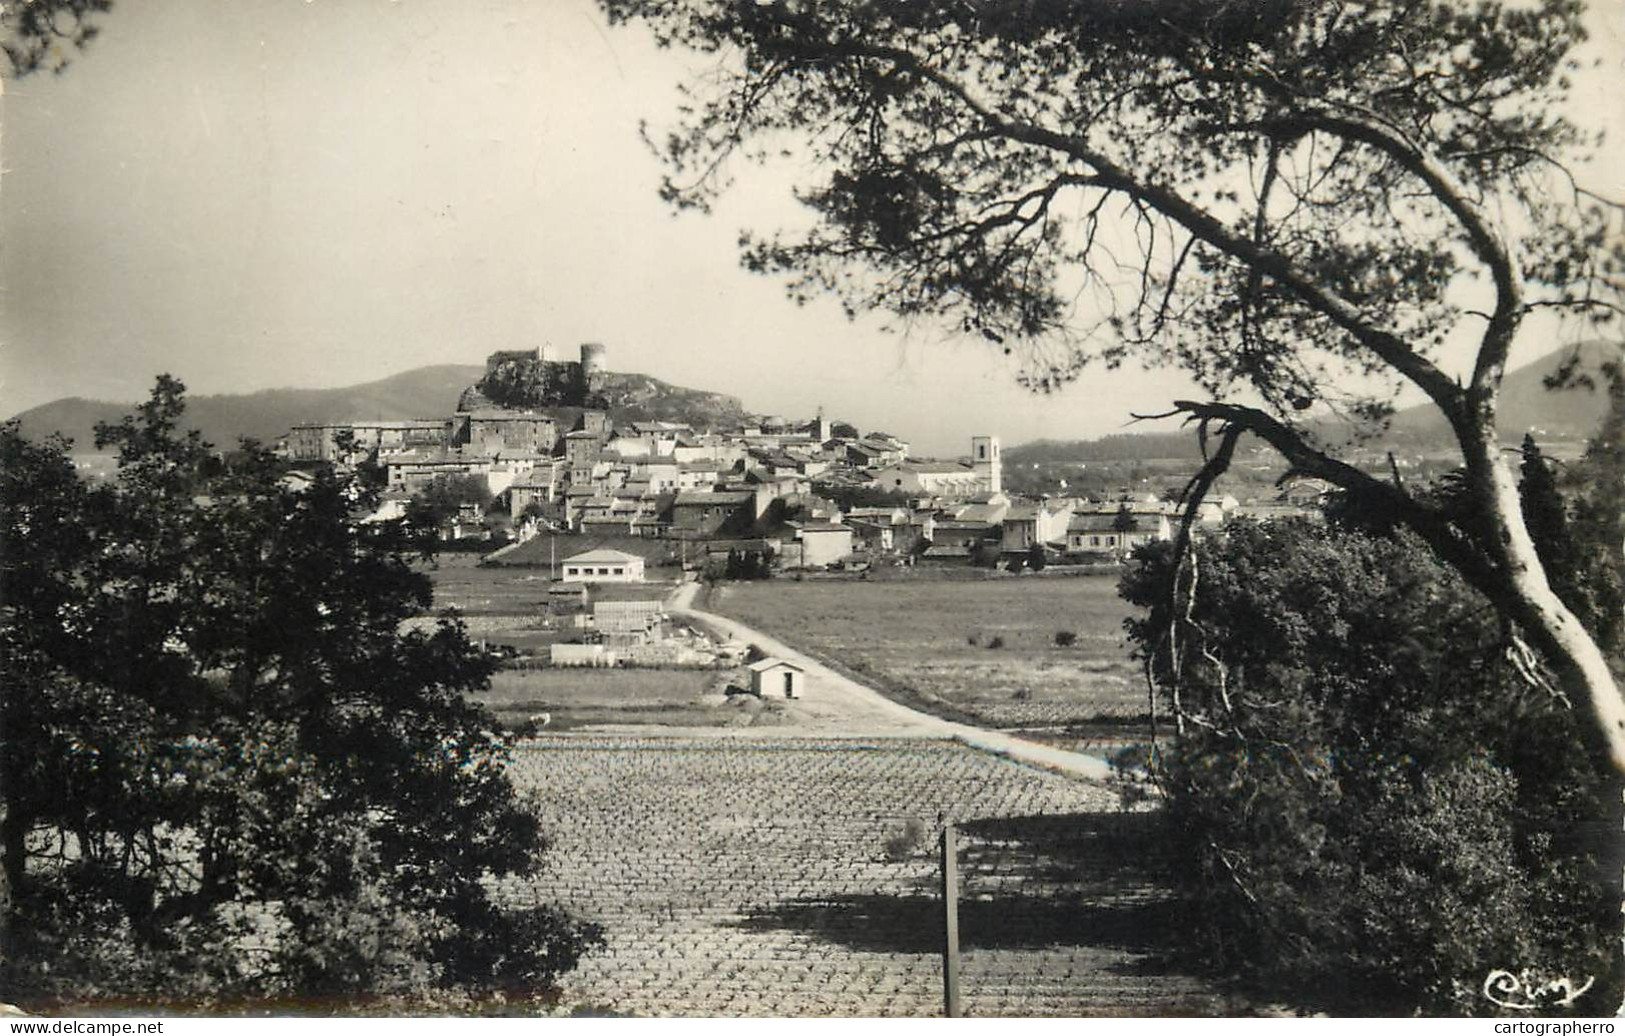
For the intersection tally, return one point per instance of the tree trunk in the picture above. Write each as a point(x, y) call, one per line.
point(1528, 598)
point(13, 847)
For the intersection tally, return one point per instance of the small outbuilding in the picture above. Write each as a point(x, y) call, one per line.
point(776, 678)
point(603, 566)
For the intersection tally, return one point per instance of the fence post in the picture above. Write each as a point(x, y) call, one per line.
point(950, 924)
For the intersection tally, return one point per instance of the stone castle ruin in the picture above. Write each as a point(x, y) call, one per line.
point(525, 378)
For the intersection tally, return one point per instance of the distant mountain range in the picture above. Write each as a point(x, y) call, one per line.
point(433, 391)
point(1527, 405)
point(420, 393)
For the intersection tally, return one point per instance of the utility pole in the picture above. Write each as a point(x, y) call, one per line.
point(950, 924)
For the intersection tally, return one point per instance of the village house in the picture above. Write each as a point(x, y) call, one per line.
point(582, 450)
point(411, 472)
point(716, 450)
point(951, 537)
point(622, 448)
point(888, 448)
point(1026, 523)
point(1117, 533)
point(320, 442)
point(702, 513)
point(822, 543)
point(602, 566)
point(698, 475)
point(660, 475)
point(606, 524)
point(984, 507)
point(542, 485)
point(872, 537)
point(661, 436)
point(510, 431)
point(1306, 492)
point(575, 497)
point(599, 505)
point(879, 530)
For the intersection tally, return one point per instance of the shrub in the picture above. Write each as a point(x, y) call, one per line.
point(903, 843)
point(1416, 812)
point(1035, 557)
point(995, 642)
point(1065, 638)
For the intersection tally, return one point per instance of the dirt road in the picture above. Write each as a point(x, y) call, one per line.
point(836, 705)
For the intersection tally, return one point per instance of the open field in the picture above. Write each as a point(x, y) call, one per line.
point(507, 605)
point(768, 876)
point(460, 582)
point(931, 642)
point(578, 697)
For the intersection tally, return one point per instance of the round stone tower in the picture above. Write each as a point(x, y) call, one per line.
point(592, 364)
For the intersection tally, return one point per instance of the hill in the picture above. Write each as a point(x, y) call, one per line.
point(638, 397)
point(1180, 445)
point(264, 415)
point(423, 392)
point(1526, 405)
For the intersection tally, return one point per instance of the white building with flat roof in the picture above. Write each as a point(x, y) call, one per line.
point(603, 566)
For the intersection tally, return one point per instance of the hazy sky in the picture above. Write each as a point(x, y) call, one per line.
point(261, 193)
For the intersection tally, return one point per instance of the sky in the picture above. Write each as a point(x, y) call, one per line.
point(254, 194)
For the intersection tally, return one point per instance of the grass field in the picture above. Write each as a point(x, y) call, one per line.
point(770, 876)
point(574, 698)
point(933, 643)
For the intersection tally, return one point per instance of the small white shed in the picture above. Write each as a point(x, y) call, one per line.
point(776, 678)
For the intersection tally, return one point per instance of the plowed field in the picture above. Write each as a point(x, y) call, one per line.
point(777, 876)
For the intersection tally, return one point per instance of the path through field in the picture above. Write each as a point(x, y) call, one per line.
point(749, 876)
point(837, 704)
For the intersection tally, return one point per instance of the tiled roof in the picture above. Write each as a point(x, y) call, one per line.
point(600, 557)
point(931, 467)
point(702, 498)
point(1099, 523)
point(773, 663)
point(821, 527)
point(510, 415)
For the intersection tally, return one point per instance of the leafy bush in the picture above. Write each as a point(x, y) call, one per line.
point(995, 642)
point(1065, 638)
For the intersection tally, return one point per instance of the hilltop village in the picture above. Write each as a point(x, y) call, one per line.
point(532, 449)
